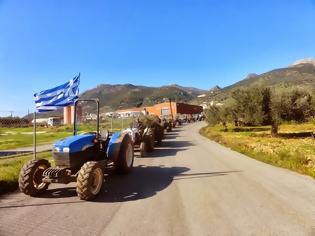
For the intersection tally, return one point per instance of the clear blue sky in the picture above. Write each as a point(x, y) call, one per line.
point(189, 42)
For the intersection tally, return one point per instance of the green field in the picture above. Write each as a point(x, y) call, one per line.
point(11, 138)
point(293, 148)
point(10, 169)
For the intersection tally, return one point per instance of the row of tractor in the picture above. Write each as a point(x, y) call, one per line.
point(83, 158)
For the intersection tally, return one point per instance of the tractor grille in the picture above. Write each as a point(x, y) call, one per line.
point(62, 159)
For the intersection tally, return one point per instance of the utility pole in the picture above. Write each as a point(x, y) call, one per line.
point(171, 108)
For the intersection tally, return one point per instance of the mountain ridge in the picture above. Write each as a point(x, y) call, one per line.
point(299, 74)
point(118, 96)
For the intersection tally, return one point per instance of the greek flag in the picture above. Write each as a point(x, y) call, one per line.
point(61, 96)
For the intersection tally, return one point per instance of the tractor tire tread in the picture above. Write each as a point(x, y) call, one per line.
point(83, 181)
point(24, 178)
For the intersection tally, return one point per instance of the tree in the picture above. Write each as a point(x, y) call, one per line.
point(248, 105)
point(217, 115)
point(258, 105)
point(290, 105)
point(276, 110)
point(213, 116)
point(266, 106)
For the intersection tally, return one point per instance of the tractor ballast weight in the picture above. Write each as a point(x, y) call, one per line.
point(80, 158)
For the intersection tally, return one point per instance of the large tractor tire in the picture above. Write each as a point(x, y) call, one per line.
point(149, 140)
point(159, 142)
point(124, 162)
point(31, 176)
point(159, 134)
point(90, 180)
point(169, 128)
point(143, 148)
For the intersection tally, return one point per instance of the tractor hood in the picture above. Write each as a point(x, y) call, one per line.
point(75, 143)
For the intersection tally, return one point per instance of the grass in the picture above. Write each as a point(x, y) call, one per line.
point(293, 149)
point(11, 138)
point(10, 169)
point(23, 137)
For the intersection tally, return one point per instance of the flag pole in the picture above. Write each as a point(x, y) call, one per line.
point(34, 136)
point(111, 124)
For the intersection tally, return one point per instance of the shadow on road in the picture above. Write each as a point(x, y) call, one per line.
point(204, 175)
point(177, 144)
point(165, 152)
point(42, 204)
point(143, 182)
point(146, 181)
point(167, 149)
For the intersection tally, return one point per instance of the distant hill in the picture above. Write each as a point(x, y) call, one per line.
point(117, 96)
point(215, 89)
point(191, 90)
point(300, 74)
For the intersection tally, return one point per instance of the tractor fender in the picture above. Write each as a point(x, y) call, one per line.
point(115, 143)
point(132, 134)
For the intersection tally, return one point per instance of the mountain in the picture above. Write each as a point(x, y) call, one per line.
point(304, 61)
point(300, 74)
point(191, 90)
point(215, 89)
point(119, 96)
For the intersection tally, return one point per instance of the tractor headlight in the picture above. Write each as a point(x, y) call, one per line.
point(56, 149)
point(66, 149)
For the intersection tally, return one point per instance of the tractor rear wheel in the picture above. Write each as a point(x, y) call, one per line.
point(90, 180)
point(169, 127)
point(159, 142)
point(124, 162)
point(149, 140)
point(31, 177)
point(143, 148)
point(159, 132)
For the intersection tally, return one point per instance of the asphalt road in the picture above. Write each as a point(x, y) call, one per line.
point(39, 148)
point(189, 186)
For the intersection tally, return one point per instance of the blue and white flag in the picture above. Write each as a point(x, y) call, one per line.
point(61, 96)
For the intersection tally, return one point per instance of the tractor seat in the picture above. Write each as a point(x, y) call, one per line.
point(104, 134)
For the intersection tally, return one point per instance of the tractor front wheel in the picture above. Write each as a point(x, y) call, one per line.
point(90, 180)
point(31, 177)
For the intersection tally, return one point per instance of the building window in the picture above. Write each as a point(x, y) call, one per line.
point(165, 111)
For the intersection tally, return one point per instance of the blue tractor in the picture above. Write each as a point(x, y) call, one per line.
point(81, 158)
